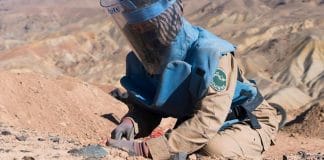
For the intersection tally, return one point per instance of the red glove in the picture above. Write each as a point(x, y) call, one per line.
point(125, 129)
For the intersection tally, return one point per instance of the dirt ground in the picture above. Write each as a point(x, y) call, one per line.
point(49, 117)
point(290, 144)
point(24, 144)
point(65, 106)
point(309, 123)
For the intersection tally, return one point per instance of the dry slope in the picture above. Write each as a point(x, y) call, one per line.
point(65, 106)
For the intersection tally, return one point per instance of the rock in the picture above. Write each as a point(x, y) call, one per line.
point(55, 139)
point(28, 158)
point(41, 139)
point(56, 147)
point(90, 151)
point(71, 141)
point(24, 151)
point(179, 156)
point(21, 138)
point(56, 156)
point(92, 158)
point(4, 150)
point(303, 155)
point(292, 135)
point(5, 133)
point(193, 157)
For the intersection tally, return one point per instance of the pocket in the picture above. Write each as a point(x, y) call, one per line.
point(196, 85)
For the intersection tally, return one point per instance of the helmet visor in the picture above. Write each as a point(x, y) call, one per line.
point(150, 26)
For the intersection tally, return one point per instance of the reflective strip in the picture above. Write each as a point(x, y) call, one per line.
point(148, 13)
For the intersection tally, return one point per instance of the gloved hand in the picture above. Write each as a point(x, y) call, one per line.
point(133, 148)
point(124, 129)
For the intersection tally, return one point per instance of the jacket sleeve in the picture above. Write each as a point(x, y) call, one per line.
point(212, 111)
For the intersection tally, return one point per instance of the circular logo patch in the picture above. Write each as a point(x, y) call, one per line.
point(219, 80)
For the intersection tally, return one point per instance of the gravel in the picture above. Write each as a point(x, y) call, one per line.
point(55, 139)
point(90, 151)
point(21, 138)
point(5, 133)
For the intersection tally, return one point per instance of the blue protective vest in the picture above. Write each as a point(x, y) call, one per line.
point(186, 78)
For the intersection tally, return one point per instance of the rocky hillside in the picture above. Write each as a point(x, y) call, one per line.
point(280, 44)
point(60, 39)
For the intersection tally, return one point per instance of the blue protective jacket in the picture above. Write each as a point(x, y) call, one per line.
point(186, 78)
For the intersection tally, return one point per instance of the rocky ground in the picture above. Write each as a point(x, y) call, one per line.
point(26, 144)
point(31, 145)
point(35, 125)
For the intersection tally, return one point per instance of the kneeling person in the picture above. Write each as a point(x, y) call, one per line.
point(183, 71)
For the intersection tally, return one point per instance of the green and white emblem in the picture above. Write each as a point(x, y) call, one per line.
point(219, 80)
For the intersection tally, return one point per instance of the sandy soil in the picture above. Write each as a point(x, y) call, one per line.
point(26, 144)
point(291, 143)
point(63, 105)
point(51, 116)
point(309, 123)
point(45, 146)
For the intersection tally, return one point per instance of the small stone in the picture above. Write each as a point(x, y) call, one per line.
point(21, 138)
point(6, 150)
point(90, 151)
point(24, 151)
point(28, 158)
point(71, 141)
point(199, 156)
point(56, 147)
point(302, 154)
point(55, 139)
point(91, 158)
point(56, 157)
point(179, 156)
point(41, 139)
point(5, 133)
point(193, 157)
point(284, 157)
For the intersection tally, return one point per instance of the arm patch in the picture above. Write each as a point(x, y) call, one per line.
point(218, 82)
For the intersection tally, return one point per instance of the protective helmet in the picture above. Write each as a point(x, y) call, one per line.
point(150, 26)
